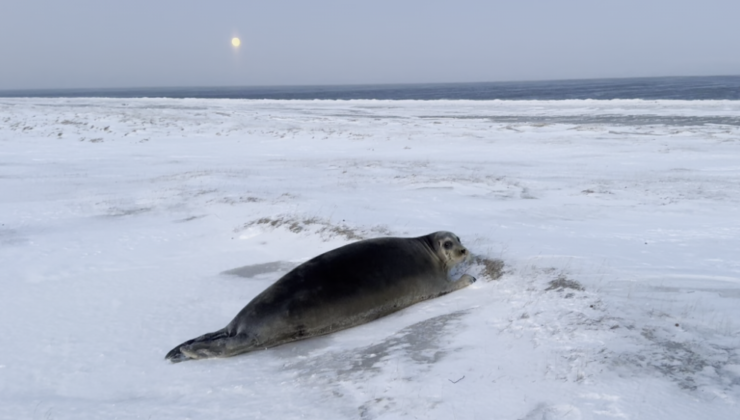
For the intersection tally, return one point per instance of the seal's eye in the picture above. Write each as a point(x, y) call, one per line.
point(447, 244)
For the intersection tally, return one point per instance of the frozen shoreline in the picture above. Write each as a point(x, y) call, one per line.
point(118, 220)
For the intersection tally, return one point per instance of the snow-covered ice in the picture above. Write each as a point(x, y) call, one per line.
point(130, 225)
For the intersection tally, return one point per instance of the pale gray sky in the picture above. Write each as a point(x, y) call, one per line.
point(133, 43)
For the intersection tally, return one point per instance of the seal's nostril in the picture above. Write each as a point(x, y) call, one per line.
point(463, 251)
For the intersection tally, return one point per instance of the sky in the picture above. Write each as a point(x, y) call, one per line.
point(93, 44)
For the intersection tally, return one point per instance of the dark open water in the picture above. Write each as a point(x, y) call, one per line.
point(686, 88)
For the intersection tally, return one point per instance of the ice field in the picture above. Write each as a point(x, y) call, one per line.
point(128, 226)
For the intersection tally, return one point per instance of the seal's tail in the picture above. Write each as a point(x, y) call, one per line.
point(207, 345)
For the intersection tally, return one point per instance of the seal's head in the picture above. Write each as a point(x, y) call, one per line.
point(448, 248)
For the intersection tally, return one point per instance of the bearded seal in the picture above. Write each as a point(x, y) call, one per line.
point(339, 289)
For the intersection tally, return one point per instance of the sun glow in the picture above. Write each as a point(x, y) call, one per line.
point(236, 42)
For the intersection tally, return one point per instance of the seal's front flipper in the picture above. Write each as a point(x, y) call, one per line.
point(464, 281)
point(185, 351)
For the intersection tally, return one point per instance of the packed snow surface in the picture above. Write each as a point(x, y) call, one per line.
point(128, 226)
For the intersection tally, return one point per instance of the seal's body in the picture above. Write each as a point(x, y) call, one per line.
point(348, 286)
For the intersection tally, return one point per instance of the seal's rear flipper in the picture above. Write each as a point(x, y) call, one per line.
point(176, 356)
point(202, 344)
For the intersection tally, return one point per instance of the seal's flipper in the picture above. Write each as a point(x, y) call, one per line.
point(184, 351)
point(176, 356)
point(464, 281)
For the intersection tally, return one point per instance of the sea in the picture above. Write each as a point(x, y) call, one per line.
point(649, 88)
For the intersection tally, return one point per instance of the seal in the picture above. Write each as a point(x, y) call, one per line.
point(339, 289)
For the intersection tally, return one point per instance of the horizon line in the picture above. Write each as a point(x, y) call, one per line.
point(5, 91)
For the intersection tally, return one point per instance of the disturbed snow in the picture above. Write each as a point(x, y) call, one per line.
point(130, 225)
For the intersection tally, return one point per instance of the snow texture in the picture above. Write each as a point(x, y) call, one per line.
point(128, 226)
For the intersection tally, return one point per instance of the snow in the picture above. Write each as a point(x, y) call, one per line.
point(130, 225)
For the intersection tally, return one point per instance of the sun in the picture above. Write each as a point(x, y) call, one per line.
point(236, 42)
